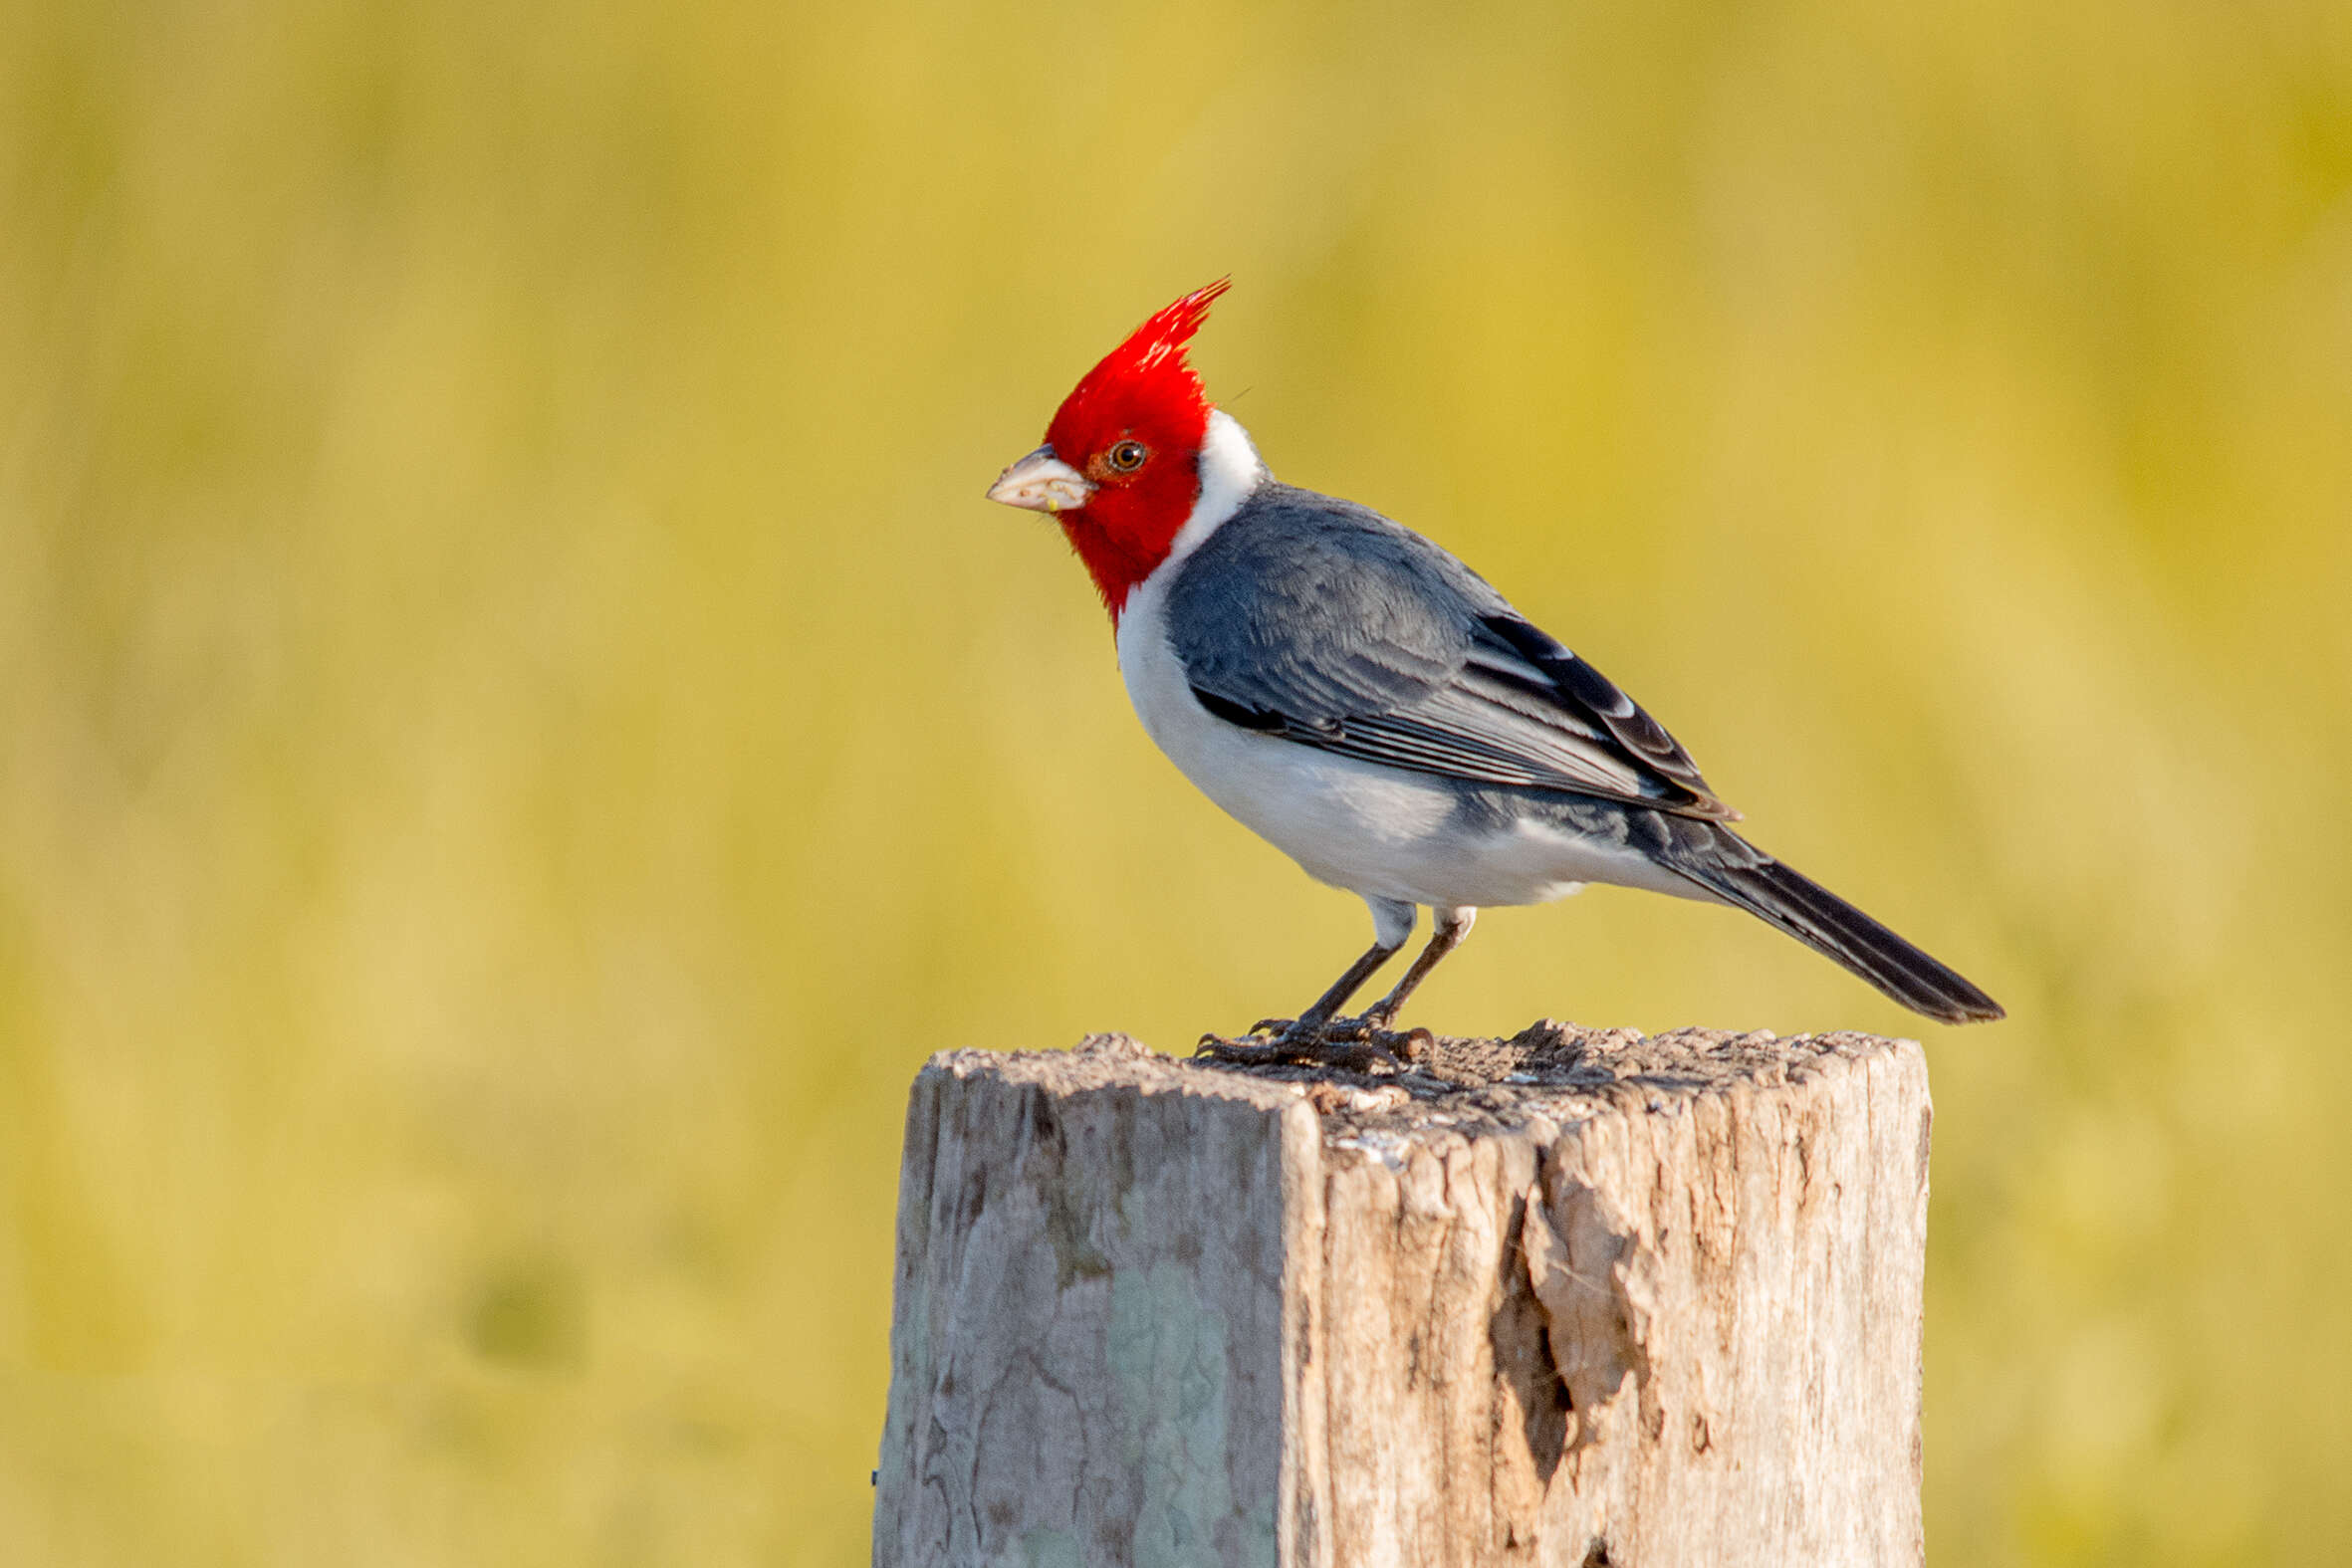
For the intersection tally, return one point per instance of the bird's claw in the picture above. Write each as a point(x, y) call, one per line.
point(1240, 1052)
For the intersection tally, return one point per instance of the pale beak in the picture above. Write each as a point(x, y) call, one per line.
point(1041, 482)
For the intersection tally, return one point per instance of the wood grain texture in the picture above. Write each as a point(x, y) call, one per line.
point(1575, 1298)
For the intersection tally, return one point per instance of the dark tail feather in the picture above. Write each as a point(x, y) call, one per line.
point(1834, 928)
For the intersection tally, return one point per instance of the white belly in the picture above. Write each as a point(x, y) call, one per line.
point(1381, 832)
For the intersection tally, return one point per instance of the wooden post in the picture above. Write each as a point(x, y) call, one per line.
point(1575, 1298)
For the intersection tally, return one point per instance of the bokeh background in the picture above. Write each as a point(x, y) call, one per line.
point(518, 733)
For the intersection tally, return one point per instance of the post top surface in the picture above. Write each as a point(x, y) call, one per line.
point(1552, 1070)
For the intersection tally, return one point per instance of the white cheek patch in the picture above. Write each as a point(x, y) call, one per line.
point(1230, 470)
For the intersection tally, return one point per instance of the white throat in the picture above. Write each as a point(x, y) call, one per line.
point(1230, 470)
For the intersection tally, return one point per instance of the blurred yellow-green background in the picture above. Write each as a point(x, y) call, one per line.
point(518, 733)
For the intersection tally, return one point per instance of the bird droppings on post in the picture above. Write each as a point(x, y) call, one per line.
point(1498, 1304)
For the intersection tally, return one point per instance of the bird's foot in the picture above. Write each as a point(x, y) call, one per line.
point(1330, 1030)
point(1361, 1044)
point(1285, 1051)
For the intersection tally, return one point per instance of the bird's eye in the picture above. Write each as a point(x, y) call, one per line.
point(1128, 456)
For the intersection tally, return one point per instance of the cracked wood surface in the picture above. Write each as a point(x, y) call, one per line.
point(1580, 1297)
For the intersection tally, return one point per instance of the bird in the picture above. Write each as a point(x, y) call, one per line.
point(1354, 694)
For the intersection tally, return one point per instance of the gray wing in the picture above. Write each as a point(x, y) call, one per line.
point(1322, 623)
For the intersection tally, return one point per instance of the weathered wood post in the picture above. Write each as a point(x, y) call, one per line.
point(1572, 1298)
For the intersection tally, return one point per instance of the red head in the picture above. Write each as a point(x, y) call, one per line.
point(1120, 465)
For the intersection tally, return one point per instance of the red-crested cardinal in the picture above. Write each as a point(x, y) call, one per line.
point(1365, 702)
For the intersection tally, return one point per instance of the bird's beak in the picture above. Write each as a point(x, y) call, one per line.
point(1041, 482)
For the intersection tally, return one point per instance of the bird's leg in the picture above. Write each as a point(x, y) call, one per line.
point(1359, 1041)
point(1452, 925)
point(1311, 1026)
point(1307, 1036)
